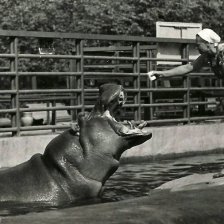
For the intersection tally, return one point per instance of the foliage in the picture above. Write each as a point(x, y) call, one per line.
point(131, 17)
point(134, 17)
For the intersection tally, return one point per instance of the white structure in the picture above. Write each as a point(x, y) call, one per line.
point(176, 30)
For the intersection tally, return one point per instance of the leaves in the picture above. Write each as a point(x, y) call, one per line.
point(136, 17)
point(131, 17)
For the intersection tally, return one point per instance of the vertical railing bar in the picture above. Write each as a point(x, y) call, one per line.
point(185, 115)
point(82, 76)
point(135, 80)
point(34, 82)
point(149, 84)
point(116, 62)
point(78, 70)
point(12, 69)
point(187, 84)
point(134, 83)
point(188, 99)
point(188, 87)
point(186, 81)
point(15, 85)
point(72, 84)
point(138, 81)
point(54, 116)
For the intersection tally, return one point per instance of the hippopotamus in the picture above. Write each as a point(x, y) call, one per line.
point(75, 164)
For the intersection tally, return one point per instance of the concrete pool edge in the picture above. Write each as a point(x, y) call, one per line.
point(161, 207)
point(167, 142)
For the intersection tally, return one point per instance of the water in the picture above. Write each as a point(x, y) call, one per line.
point(135, 180)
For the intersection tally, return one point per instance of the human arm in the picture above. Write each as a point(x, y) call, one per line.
point(179, 70)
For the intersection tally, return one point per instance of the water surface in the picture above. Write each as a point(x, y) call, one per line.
point(135, 180)
point(138, 179)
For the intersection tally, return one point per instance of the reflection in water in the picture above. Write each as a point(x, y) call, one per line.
point(135, 180)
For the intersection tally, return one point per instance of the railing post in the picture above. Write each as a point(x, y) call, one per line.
point(80, 68)
point(149, 66)
point(77, 82)
point(116, 62)
point(187, 84)
point(54, 116)
point(15, 85)
point(137, 81)
point(34, 82)
point(72, 84)
point(187, 112)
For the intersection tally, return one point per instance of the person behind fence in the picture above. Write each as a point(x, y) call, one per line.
point(211, 53)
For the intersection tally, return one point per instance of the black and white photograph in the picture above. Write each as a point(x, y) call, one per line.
point(112, 112)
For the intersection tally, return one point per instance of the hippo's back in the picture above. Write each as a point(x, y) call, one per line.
point(29, 182)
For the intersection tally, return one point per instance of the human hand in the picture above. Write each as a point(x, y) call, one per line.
point(153, 75)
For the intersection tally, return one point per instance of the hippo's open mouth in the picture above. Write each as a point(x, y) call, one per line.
point(128, 130)
point(112, 98)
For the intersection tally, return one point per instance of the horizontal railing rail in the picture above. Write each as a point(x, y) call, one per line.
point(84, 36)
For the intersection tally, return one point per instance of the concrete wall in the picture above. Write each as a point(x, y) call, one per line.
point(181, 140)
point(15, 150)
point(165, 141)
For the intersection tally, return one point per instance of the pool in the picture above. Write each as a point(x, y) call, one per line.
point(137, 179)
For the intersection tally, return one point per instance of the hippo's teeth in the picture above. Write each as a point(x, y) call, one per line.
point(125, 130)
point(144, 131)
point(135, 131)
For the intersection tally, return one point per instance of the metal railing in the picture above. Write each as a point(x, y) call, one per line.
point(98, 59)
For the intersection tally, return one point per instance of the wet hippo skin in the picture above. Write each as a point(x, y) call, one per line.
point(77, 163)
